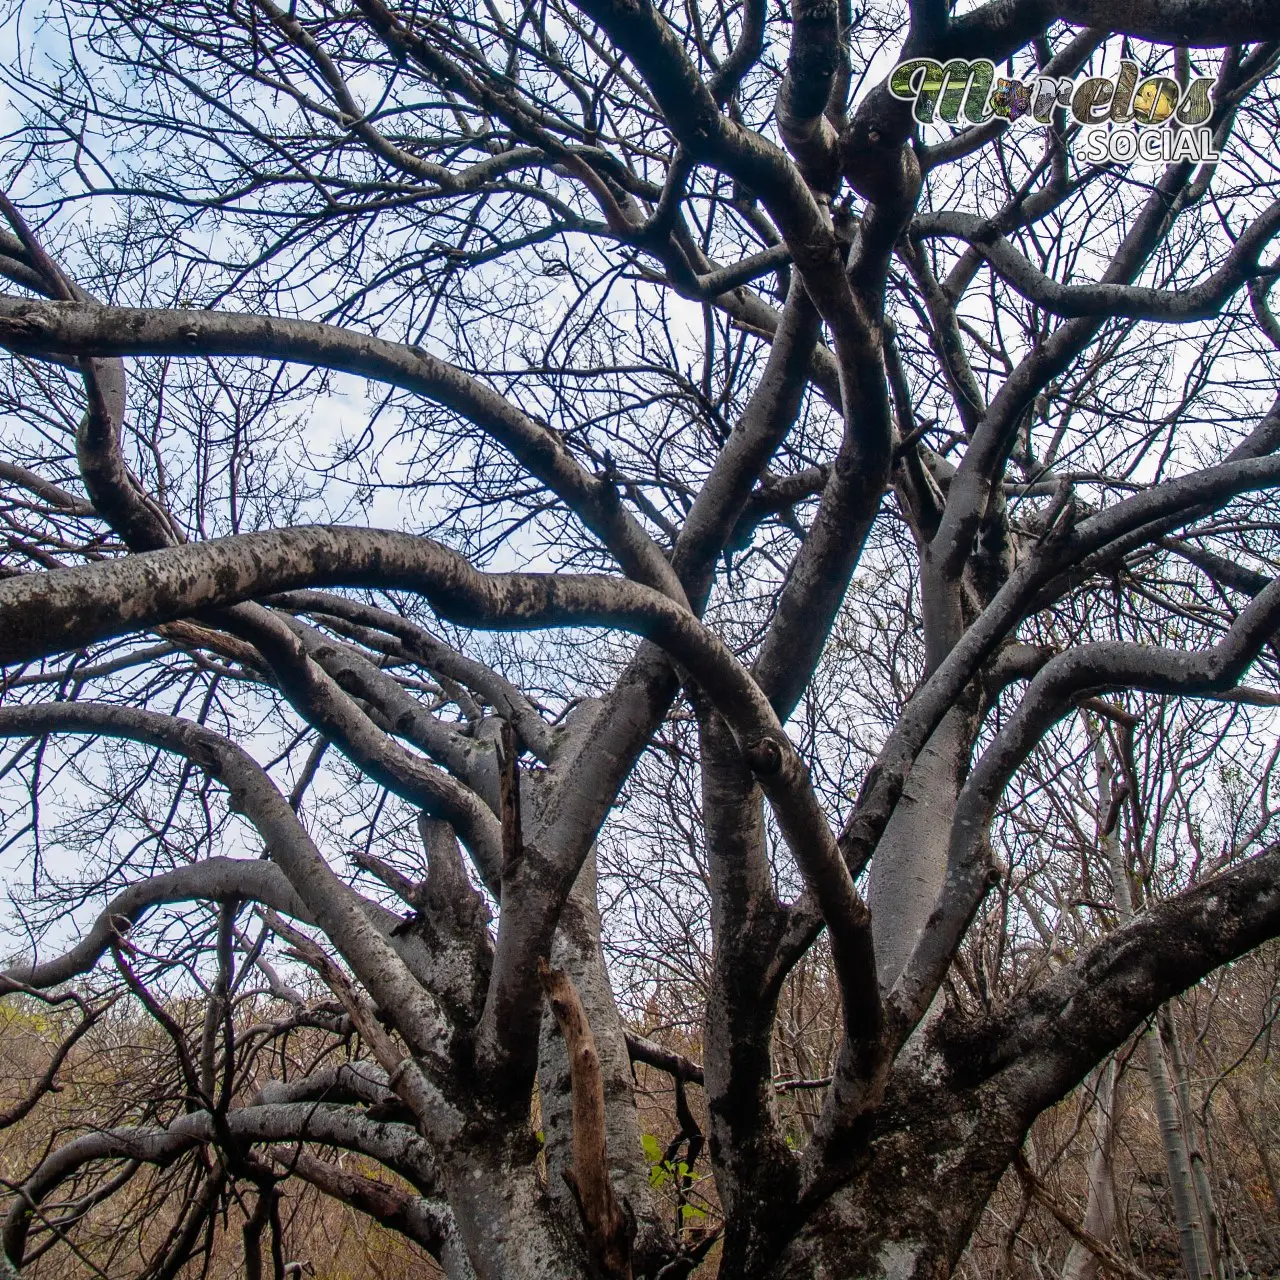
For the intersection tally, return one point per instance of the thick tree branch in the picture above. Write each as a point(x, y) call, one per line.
point(1001, 27)
point(395, 1145)
point(76, 328)
point(103, 600)
point(1049, 1038)
point(313, 675)
point(385, 975)
point(212, 880)
point(652, 1054)
point(426, 1222)
point(441, 659)
point(812, 63)
point(1181, 306)
point(1148, 514)
point(970, 492)
point(1091, 668)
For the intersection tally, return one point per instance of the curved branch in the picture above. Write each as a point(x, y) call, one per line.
point(213, 880)
point(115, 492)
point(1180, 306)
point(397, 1146)
point(693, 115)
point(11, 473)
point(85, 329)
point(1148, 514)
point(1087, 668)
point(317, 675)
point(746, 52)
point(769, 415)
point(1001, 27)
point(96, 601)
point(69, 608)
point(345, 1082)
point(152, 1146)
point(426, 1222)
point(81, 605)
point(436, 656)
point(1048, 1038)
point(726, 279)
point(642, 1049)
point(800, 109)
point(388, 979)
point(970, 492)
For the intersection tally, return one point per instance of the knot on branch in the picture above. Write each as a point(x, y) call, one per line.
point(26, 328)
point(994, 869)
point(764, 757)
point(608, 479)
point(876, 155)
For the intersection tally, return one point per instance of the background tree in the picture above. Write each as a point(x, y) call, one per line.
point(485, 483)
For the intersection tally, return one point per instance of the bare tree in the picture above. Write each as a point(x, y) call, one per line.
point(487, 483)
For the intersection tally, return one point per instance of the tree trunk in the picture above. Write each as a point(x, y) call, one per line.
point(1195, 1153)
point(1182, 1191)
point(910, 863)
point(1100, 1210)
point(907, 1211)
point(1192, 1241)
point(576, 950)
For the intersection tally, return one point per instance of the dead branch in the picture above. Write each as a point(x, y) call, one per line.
point(609, 1226)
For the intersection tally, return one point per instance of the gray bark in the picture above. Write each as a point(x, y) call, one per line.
point(1192, 1240)
point(910, 864)
point(1205, 1205)
point(909, 1145)
point(1100, 1208)
point(1182, 1191)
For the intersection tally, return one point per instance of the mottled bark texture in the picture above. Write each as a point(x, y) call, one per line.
point(1099, 1221)
point(844, 478)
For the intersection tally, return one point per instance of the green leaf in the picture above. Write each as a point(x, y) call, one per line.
point(689, 1213)
point(652, 1148)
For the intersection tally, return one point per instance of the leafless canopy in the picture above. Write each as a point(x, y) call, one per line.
point(496, 486)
